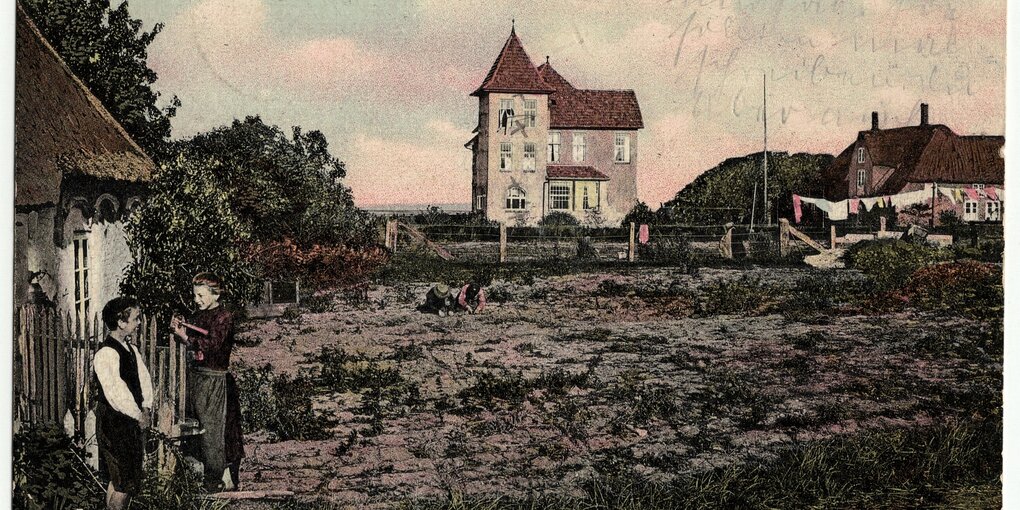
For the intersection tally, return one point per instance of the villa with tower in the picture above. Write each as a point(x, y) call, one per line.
point(543, 146)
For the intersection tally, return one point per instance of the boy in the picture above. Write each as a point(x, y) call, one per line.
point(471, 298)
point(124, 401)
point(212, 391)
point(438, 300)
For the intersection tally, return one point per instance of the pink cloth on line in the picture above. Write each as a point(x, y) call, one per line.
point(971, 193)
point(854, 203)
point(990, 192)
point(643, 234)
point(796, 209)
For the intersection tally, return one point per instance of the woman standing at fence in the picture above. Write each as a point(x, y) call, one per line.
point(212, 391)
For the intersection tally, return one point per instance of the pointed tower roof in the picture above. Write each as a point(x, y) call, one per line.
point(513, 71)
point(552, 78)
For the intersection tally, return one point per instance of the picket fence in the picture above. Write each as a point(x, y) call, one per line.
point(54, 380)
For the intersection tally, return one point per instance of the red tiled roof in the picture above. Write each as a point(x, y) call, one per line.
point(513, 72)
point(571, 108)
point(574, 172)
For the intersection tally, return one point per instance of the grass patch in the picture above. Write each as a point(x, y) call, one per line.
point(745, 295)
point(281, 405)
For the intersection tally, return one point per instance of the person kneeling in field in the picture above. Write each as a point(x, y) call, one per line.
point(438, 300)
point(124, 401)
point(471, 298)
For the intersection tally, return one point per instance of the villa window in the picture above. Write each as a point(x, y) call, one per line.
point(506, 151)
point(622, 152)
point(559, 197)
point(529, 156)
point(554, 146)
point(506, 113)
point(516, 199)
point(579, 147)
point(862, 176)
point(530, 111)
point(860, 155)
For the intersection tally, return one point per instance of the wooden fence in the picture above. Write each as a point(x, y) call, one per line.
point(54, 380)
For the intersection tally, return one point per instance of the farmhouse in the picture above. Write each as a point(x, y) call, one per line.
point(588, 165)
point(77, 176)
point(963, 172)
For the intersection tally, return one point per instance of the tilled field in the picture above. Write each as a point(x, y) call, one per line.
point(566, 378)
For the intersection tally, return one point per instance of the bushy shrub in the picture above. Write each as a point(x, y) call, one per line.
point(745, 295)
point(558, 219)
point(281, 405)
point(586, 249)
point(889, 263)
point(988, 250)
point(320, 267)
point(667, 250)
point(967, 288)
point(44, 454)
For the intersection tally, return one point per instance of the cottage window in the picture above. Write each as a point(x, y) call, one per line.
point(559, 197)
point(82, 296)
point(530, 111)
point(970, 210)
point(860, 155)
point(506, 113)
point(584, 199)
point(622, 152)
point(992, 210)
point(862, 177)
point(529, 156)
point(554, 146)
point(506, 151)
point(516, 199)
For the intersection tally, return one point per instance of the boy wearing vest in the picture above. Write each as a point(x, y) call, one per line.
point(124, 400)
point(212, 391)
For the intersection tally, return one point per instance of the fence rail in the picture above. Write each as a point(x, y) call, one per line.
point(53, 362)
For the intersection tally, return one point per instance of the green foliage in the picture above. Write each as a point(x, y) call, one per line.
point(890, 262)
point(639, 214)
point(107, 50)
point(725, 193)
point(745, 295)
point(966, 288)
point(673, 250)
point(558, 219)
point(987, 250)
point(50, 472)
point(183, 228)
point(282, 187)
point(281, 405)
point(586, 249)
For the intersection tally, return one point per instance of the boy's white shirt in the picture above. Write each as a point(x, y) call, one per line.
point(107, 368)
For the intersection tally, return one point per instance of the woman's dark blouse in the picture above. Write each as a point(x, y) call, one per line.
point(215, 346)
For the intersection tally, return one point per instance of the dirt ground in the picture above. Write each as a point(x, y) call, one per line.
point(571, 376)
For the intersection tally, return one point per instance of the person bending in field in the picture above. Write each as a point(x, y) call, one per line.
point(471, 298)
point(124, 403)
point(212, 391)
point(438, 300)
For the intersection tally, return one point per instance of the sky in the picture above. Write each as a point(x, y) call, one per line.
point(388, 82)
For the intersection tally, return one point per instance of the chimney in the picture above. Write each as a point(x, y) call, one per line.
point(874, 121)
point(924, 114)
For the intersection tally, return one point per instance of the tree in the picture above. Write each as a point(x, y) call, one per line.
point(639, 214)
point(106, 49)
point(186, 226)
point(281, 187)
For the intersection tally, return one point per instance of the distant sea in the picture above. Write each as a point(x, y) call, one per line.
point(413, 208)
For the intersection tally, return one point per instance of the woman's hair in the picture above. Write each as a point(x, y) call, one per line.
point(209, 280)
point(118, 309)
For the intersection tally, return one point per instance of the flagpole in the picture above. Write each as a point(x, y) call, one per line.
point(765, 152)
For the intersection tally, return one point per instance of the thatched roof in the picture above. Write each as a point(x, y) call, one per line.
point(60, 127)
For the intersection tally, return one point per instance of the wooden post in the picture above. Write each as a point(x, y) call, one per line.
point(881, 224)
point(832, 237)
point(297, 292)
point(631, 247)
point(784, 237)
point(502, 243)
point(726, 243)
point(396, 235)
point(934, 188)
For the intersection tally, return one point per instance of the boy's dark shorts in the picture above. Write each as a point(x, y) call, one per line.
point(121, 449)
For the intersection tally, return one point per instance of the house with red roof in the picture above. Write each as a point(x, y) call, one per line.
point(543, 145)
point(962, 172)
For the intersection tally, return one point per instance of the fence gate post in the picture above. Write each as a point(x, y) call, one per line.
point(881, 224)
point(832, 237)
point(726, 243)
point(631, 247)
point(784, 237)
point(502, 243)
